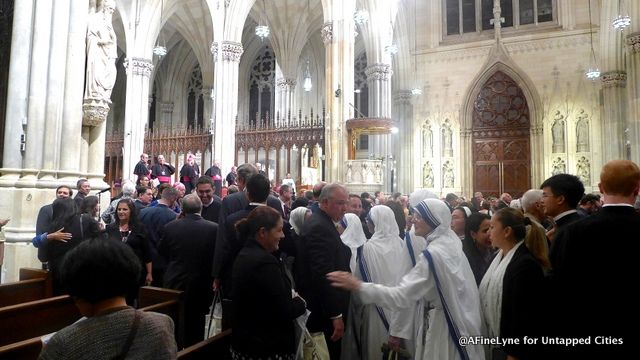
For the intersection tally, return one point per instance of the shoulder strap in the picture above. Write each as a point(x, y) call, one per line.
point(412, 255)
point(453, 329)
point(366, 277)
point(130, 337)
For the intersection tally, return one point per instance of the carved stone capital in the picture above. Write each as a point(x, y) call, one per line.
point(613, 79)
point(327, 32)
point(95, 111)
point(378, 72)
point(138, 66)
point(284, 83)
point(402, 97)
point(231, 51)
point(167, 107)
point(633, 43)
point(214, 50)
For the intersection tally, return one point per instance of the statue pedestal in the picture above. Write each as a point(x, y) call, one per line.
point(364, 175)
point(95, 111)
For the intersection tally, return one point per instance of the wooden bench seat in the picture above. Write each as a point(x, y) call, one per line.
point(34, 284)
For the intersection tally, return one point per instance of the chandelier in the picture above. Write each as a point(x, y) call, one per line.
point(160, 49)
point(307, 85)
point(361, 17)
point(262, 31)
point(593, 72)
point(622, 20)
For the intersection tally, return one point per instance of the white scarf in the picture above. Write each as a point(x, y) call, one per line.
point(491, 290)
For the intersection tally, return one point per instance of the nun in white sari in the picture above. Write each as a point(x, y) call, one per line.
point(441, 283)
point(352, 236)
point(381, 260)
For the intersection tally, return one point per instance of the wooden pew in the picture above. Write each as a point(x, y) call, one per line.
point(22, 350)
point(34, 284)
point(165, 301)
point(36, 318)
point(217, 347)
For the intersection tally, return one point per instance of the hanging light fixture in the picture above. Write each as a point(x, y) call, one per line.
point(622, 20)
point(416, 90)
point(361, 17)
point(262, 31)
point(160, 49)
point(307, 85)
point(593, 72)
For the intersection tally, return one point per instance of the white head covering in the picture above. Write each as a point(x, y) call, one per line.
point(353, 236)
point(296, 218)
point(384, 252)
point(419, 195)
point(458, 286)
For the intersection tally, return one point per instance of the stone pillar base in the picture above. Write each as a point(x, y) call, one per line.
point(18, 255)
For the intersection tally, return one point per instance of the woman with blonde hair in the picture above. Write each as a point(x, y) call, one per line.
point(511, 290)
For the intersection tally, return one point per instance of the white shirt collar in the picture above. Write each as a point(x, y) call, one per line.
point(620, 204)
point(563, 214)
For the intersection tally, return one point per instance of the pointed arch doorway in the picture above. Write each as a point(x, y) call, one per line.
point(501, 138)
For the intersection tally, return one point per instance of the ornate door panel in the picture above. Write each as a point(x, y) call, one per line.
point(501, 145)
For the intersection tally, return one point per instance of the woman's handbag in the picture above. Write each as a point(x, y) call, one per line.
point(315, 347)
point(214, 318)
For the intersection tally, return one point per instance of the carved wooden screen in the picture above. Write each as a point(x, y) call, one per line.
point(501, 145)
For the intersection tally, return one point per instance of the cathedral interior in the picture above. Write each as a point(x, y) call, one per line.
point(456, 96)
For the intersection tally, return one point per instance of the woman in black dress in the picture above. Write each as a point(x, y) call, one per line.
point(263, 301)
point(128, 229)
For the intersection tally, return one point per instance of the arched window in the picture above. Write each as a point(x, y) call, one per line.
point(470, 16)
point(262, 86)
point(195, 100)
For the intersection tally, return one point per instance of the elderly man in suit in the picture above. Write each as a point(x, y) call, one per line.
point(596, 262)
point(188, 244)
point(322, 252)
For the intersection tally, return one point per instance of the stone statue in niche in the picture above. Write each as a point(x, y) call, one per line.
point(582, 132)
point(102, 53)
point(378, 173)
point(427, 141)
point(349, 174)
point(559, 167)
point(557, 133)
point(427, 175)
point(584, 171)
point(447, 140)
point(448, 179)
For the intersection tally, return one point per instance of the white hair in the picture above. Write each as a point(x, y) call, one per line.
point(515, 204)
point(530, 198)
point(128, 188)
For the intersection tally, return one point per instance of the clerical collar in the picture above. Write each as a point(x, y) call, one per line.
point(207, 205)
point(256, 204)
point(563, 214)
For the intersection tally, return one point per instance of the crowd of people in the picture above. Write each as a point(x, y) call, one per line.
point(424, 277)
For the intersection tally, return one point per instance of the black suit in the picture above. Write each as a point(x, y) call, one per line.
point(558, 245)
point(522, 296)
point(263, 307)
point(187, 244)
point(212, 212)
point(594, 280)
point(322, 252)
point(231, 204)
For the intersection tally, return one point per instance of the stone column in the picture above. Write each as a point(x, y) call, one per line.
point(39, 63)
point(71, 127)
point(18, 91)
point(207, 114)
point(166, 119)
point(615, 115)
point(226, 101)
point(286, 105)
point(95, 166)
point(633, 81)
point(136, 112)
point(405, 166)
point(338, 38)
point(55, 86)
point(379, 83)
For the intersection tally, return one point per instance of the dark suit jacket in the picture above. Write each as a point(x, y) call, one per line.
point(187, 245)
point(263, 307)
point(212, 212)
point(321, 252)
point(44, 219)
point(522, 296)
point(594, 280)
point(558, 245)
point(230, 204)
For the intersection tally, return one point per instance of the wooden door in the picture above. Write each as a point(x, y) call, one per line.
point(501, 144)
